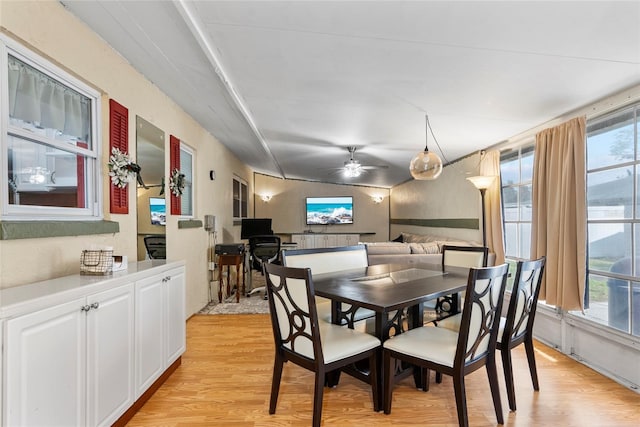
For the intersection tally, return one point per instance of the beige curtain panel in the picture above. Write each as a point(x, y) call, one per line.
point(559, 213)
point(490, 166)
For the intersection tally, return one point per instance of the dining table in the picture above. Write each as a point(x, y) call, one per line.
point(396, 293)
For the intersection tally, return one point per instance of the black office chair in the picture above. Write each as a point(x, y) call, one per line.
point(263, 249)
point(156, 246)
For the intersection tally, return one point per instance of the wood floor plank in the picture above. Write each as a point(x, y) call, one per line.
point(225, 380)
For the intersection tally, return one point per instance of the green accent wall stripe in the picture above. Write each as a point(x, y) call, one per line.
point(190, 223)
point(470, 223)
point(13, 230)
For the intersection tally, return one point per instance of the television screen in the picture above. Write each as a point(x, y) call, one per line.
point(255, 227)
point(158, 209)
point(329, 210)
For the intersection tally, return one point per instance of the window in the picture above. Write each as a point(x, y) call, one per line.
point(240, 201)
point(50, 146)
point(516, 174)
point(186, 167)
point(612, 295)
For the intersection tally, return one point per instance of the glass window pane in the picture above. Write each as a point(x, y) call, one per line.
point(610, 194)
point(244, 200)
point(610, 247)
point(511, 240)
point(525, 240)
point(236, 198)
point(635, 308)
point(510, 170)
point(186, 167)
point(525, 203)
point(45, 106)
point(526, 164)
point(510, 203)
point(618, 304)
point(598, 298)
point(610, 141)
point(44, 176)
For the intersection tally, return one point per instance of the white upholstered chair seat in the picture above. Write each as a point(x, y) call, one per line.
point(427, 343)
point(340, 343)
point(452, 323)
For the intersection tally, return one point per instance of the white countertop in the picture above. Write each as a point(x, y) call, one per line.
point(20, 299)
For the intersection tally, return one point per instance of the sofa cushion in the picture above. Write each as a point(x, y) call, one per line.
point(418, 238)
point(377, 248)
point(441, 243)
point(424, 248)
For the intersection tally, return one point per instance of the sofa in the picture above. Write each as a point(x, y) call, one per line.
point(411, 248)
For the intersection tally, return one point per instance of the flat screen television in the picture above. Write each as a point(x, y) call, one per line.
point(255, 227)
point(329, 210)
point(158, 210)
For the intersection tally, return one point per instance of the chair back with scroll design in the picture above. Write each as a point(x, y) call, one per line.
point(301, 339)
point(517, 327)
point(456, 353)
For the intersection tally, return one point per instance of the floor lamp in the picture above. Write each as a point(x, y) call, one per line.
point(482, 182)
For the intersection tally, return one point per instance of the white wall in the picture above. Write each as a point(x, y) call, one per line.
point(287, 207)
point(450, 196)
point(49, 29)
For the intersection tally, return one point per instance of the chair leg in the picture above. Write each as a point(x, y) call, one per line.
point(426, 379)
point(317, 398)
point(461, 399)
point(373, 378)
point(528, 345)
point(438, 377)
point(275, 383)
point(507, 366)
point(220, 283)
point(388, 380)
point(492, 373)
point(237, 283)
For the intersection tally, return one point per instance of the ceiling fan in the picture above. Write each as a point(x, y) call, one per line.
point(353, 168)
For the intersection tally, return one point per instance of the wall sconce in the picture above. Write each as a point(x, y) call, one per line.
point(377, 199)
point(266, 197)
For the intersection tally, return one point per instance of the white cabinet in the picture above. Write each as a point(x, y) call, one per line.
point(160, 326)
point(71, 364)
point(80, 350)
point(321, 240)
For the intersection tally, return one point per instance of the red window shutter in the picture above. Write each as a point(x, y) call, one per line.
point(174, 162)
point(118, 138)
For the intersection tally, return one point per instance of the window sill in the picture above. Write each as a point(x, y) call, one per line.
point(13, 230)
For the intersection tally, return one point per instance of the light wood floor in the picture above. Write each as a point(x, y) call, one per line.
point(225, 380)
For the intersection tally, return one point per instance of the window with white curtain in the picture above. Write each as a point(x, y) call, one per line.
point(612, 295)
point(50, 147)
point(186, 167)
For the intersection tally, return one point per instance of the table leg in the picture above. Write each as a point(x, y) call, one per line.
point(382, 332)
point(333, 378)
point(416, 320)
point(238, 282)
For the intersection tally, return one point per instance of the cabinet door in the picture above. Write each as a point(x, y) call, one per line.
point(46, 367)
point(149, 327)
point(302, 241)
point(325, 240)
point(110, 340)
point(175, 343)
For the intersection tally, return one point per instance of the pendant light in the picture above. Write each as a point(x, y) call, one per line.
point(426, 165)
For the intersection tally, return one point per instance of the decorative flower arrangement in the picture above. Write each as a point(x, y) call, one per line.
point(121, 169)
point(176, 182)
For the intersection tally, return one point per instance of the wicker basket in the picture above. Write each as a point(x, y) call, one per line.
point(96, 262)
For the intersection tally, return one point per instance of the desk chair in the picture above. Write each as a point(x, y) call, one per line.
point(456, 353)
point(263, 249)
point(301, 339)
point(156, 246)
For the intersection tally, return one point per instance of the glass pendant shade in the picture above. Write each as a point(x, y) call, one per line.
point(425, 166)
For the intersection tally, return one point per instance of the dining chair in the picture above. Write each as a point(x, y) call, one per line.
point(456, 353)
point(299, 337)
point(459, 256)
point(330, 260)
point(517, 327)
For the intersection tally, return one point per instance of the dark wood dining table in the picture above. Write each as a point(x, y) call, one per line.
point(389, 289)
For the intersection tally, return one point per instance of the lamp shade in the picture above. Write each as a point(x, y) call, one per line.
point(425, 166)
point(482, 182)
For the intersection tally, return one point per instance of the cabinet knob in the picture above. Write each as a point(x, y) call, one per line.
point(85, 308)
point(95, 305)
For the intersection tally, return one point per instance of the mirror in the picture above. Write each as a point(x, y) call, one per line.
point(151, 204)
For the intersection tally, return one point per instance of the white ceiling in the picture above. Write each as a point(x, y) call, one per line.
point(288, 86)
